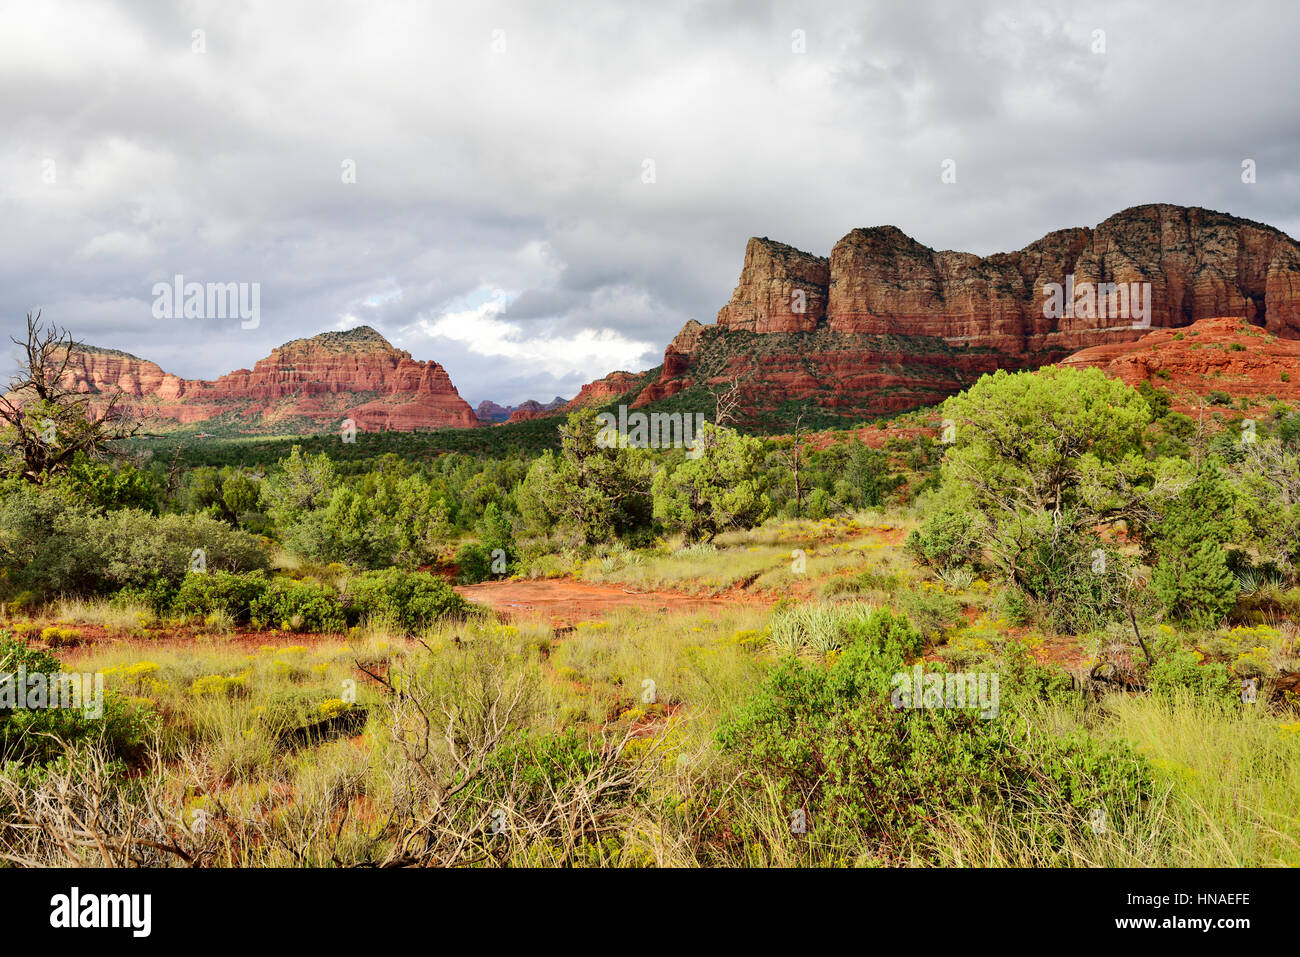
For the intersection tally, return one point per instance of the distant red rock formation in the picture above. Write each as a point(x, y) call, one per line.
point(532, 409)
point(604, 390)
point(334, 376)
point(489, 411)
point(882, 325)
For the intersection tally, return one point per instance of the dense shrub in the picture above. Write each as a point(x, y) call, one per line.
point(45, 545)
point(1014, 606)
point(225, 592)
point(157, 596)
point(135, 548)
point(496, 537)
point(1181, 668)
point(474, 563)
point(298, 606)
point(1077, 581)
point(407, 600)
point(933, 610)
point(50, 544)
point(1195, 585)
point(104, 486)
point(829, 741)
point(946, 539)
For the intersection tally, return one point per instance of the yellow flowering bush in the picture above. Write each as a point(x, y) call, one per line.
point(333, 707)
point(218, 685)
point(60, 637)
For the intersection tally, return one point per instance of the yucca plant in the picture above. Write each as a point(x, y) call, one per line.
point(1252, 580)
point(957, 579)
point(816, 629)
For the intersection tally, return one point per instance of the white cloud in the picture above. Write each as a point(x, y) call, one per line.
point(588, 352)
point(118, 245)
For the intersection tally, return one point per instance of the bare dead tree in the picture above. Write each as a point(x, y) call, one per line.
point(725, 403)
point(44, 423)
point(81, 813)
point(794, 461)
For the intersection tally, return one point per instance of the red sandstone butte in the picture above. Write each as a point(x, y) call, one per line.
point(886, 323)
point(604, 390)
point(319, 381)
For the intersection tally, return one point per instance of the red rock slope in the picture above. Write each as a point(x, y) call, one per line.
point(1212, 355)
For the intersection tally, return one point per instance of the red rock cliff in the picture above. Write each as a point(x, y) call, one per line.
point(887, 322)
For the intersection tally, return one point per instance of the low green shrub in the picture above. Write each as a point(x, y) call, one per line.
point(946, 539)
point(830, 741)
point(298, 606)
point(1180, 668)
point(229, 593)
point(32, 737)
point(156, 595)
point(1014, 606)
point(474, 562)
point(407, 600)
point(51, 544)
point(932, 611)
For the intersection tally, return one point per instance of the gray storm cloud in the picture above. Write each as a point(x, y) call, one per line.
point(500, 221)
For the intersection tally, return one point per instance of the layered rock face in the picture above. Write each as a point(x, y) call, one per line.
point(91, 369)
point(322, 380)
point(782, 289)
point(891, 321)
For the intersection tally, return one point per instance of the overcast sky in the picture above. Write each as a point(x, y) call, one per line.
point(500, 221)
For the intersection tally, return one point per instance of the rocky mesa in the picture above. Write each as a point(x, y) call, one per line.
point(882, 325)
point(886, 323)
point(307, 383)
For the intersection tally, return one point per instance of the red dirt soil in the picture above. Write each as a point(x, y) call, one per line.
point(566, 602)
point(94, 637)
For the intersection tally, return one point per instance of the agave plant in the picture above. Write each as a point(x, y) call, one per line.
point(956, 579)
point(1248, 581)
point(696, 550)
point(1252, 580)
point(815, 629)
